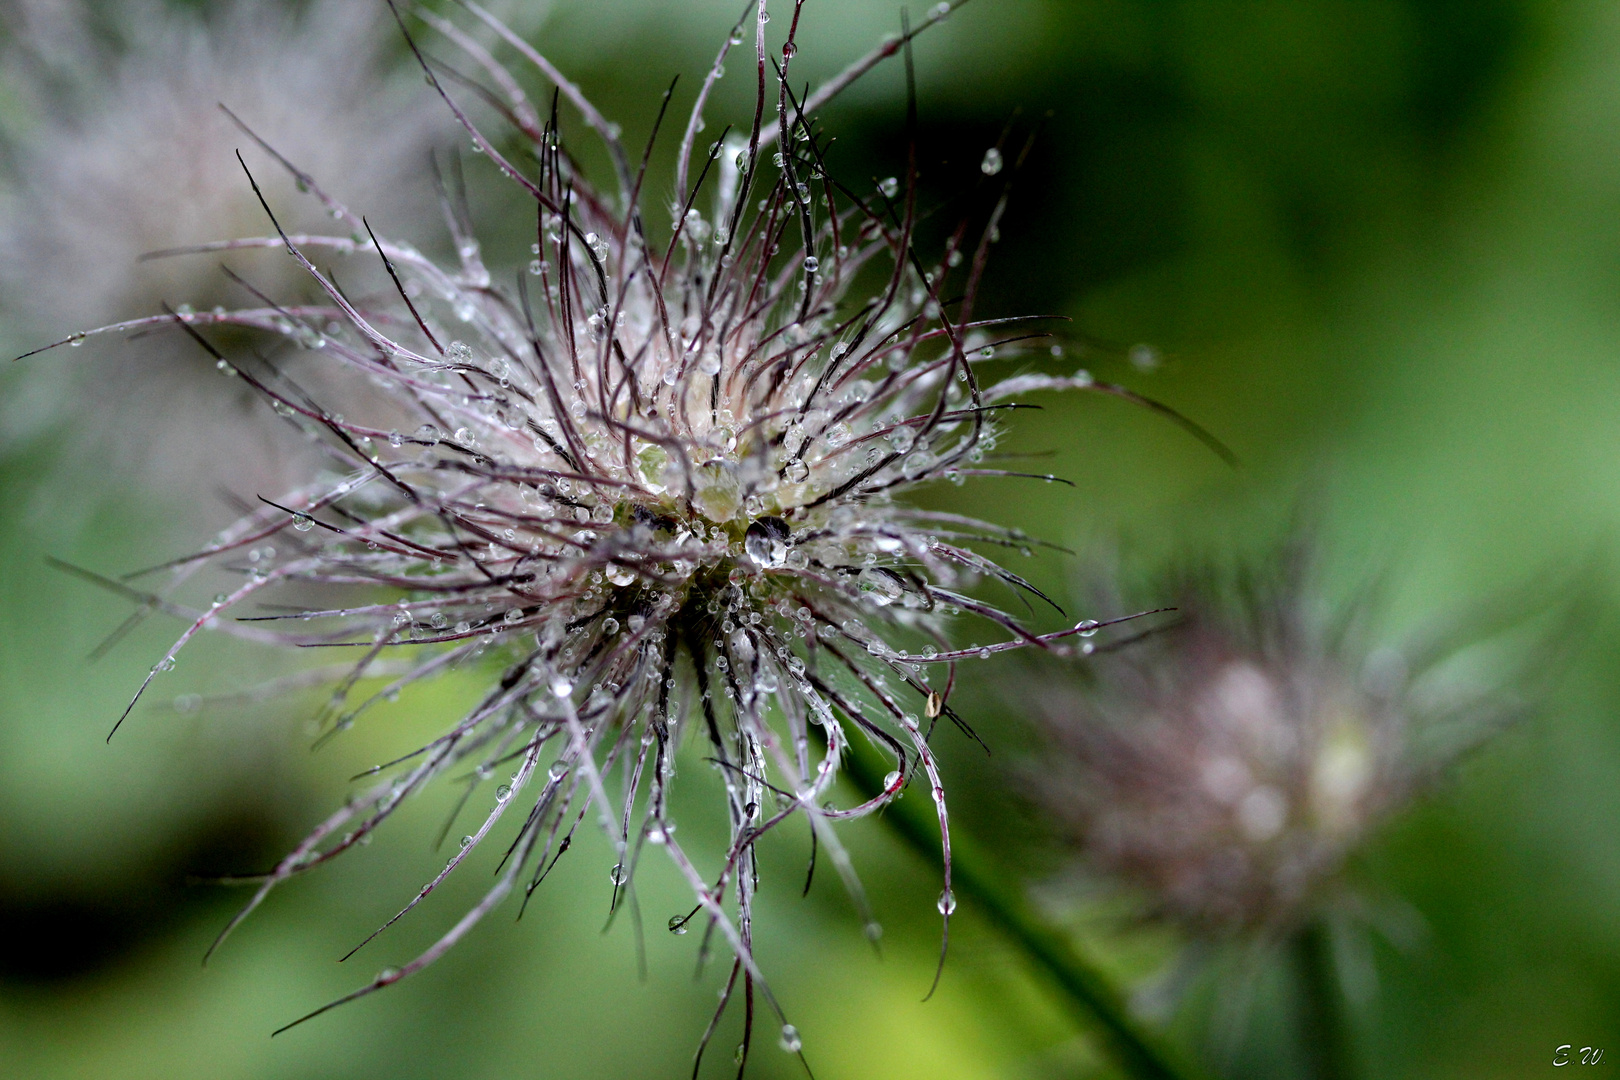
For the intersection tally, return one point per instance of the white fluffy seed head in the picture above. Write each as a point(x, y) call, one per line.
point(137, 159)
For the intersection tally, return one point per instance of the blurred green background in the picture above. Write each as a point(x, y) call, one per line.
point(1375, 247)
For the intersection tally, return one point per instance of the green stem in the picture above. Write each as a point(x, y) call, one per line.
point(1323, 1030)
point(1091, 994)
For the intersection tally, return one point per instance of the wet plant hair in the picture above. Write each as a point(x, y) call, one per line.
point(655, 483)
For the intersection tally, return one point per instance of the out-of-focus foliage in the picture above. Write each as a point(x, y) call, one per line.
point(1372, 246)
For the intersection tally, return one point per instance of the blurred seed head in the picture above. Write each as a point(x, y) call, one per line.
point(119, 148)
point(1226, 765)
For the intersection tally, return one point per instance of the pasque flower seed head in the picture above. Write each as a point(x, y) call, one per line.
point(118, 148)
point(1226, 766)
point(654, 481)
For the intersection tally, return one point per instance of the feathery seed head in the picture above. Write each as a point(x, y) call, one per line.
point(1227, 765)
point(137, 158)
point(655, 478)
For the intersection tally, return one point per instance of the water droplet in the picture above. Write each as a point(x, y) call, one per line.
point(303, 522)
point(992, 162)
point(811, 264)
point(947, 902)
point(388, 974)
point(514, 615)
point(1087, 627)
point(677, 924)
point(75, 341)
point(617, 875)
point(790, 1040)
point(796, 471)
point(561, 688)
point(558, 770)
point(165, 664)
point(879, 586)
point(873, 931)
point(466, 842)
point(766, 542)
point(890, 187)
point(891, 781)
point(503, 793)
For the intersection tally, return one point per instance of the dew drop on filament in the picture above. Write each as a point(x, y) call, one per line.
point(766, 542)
